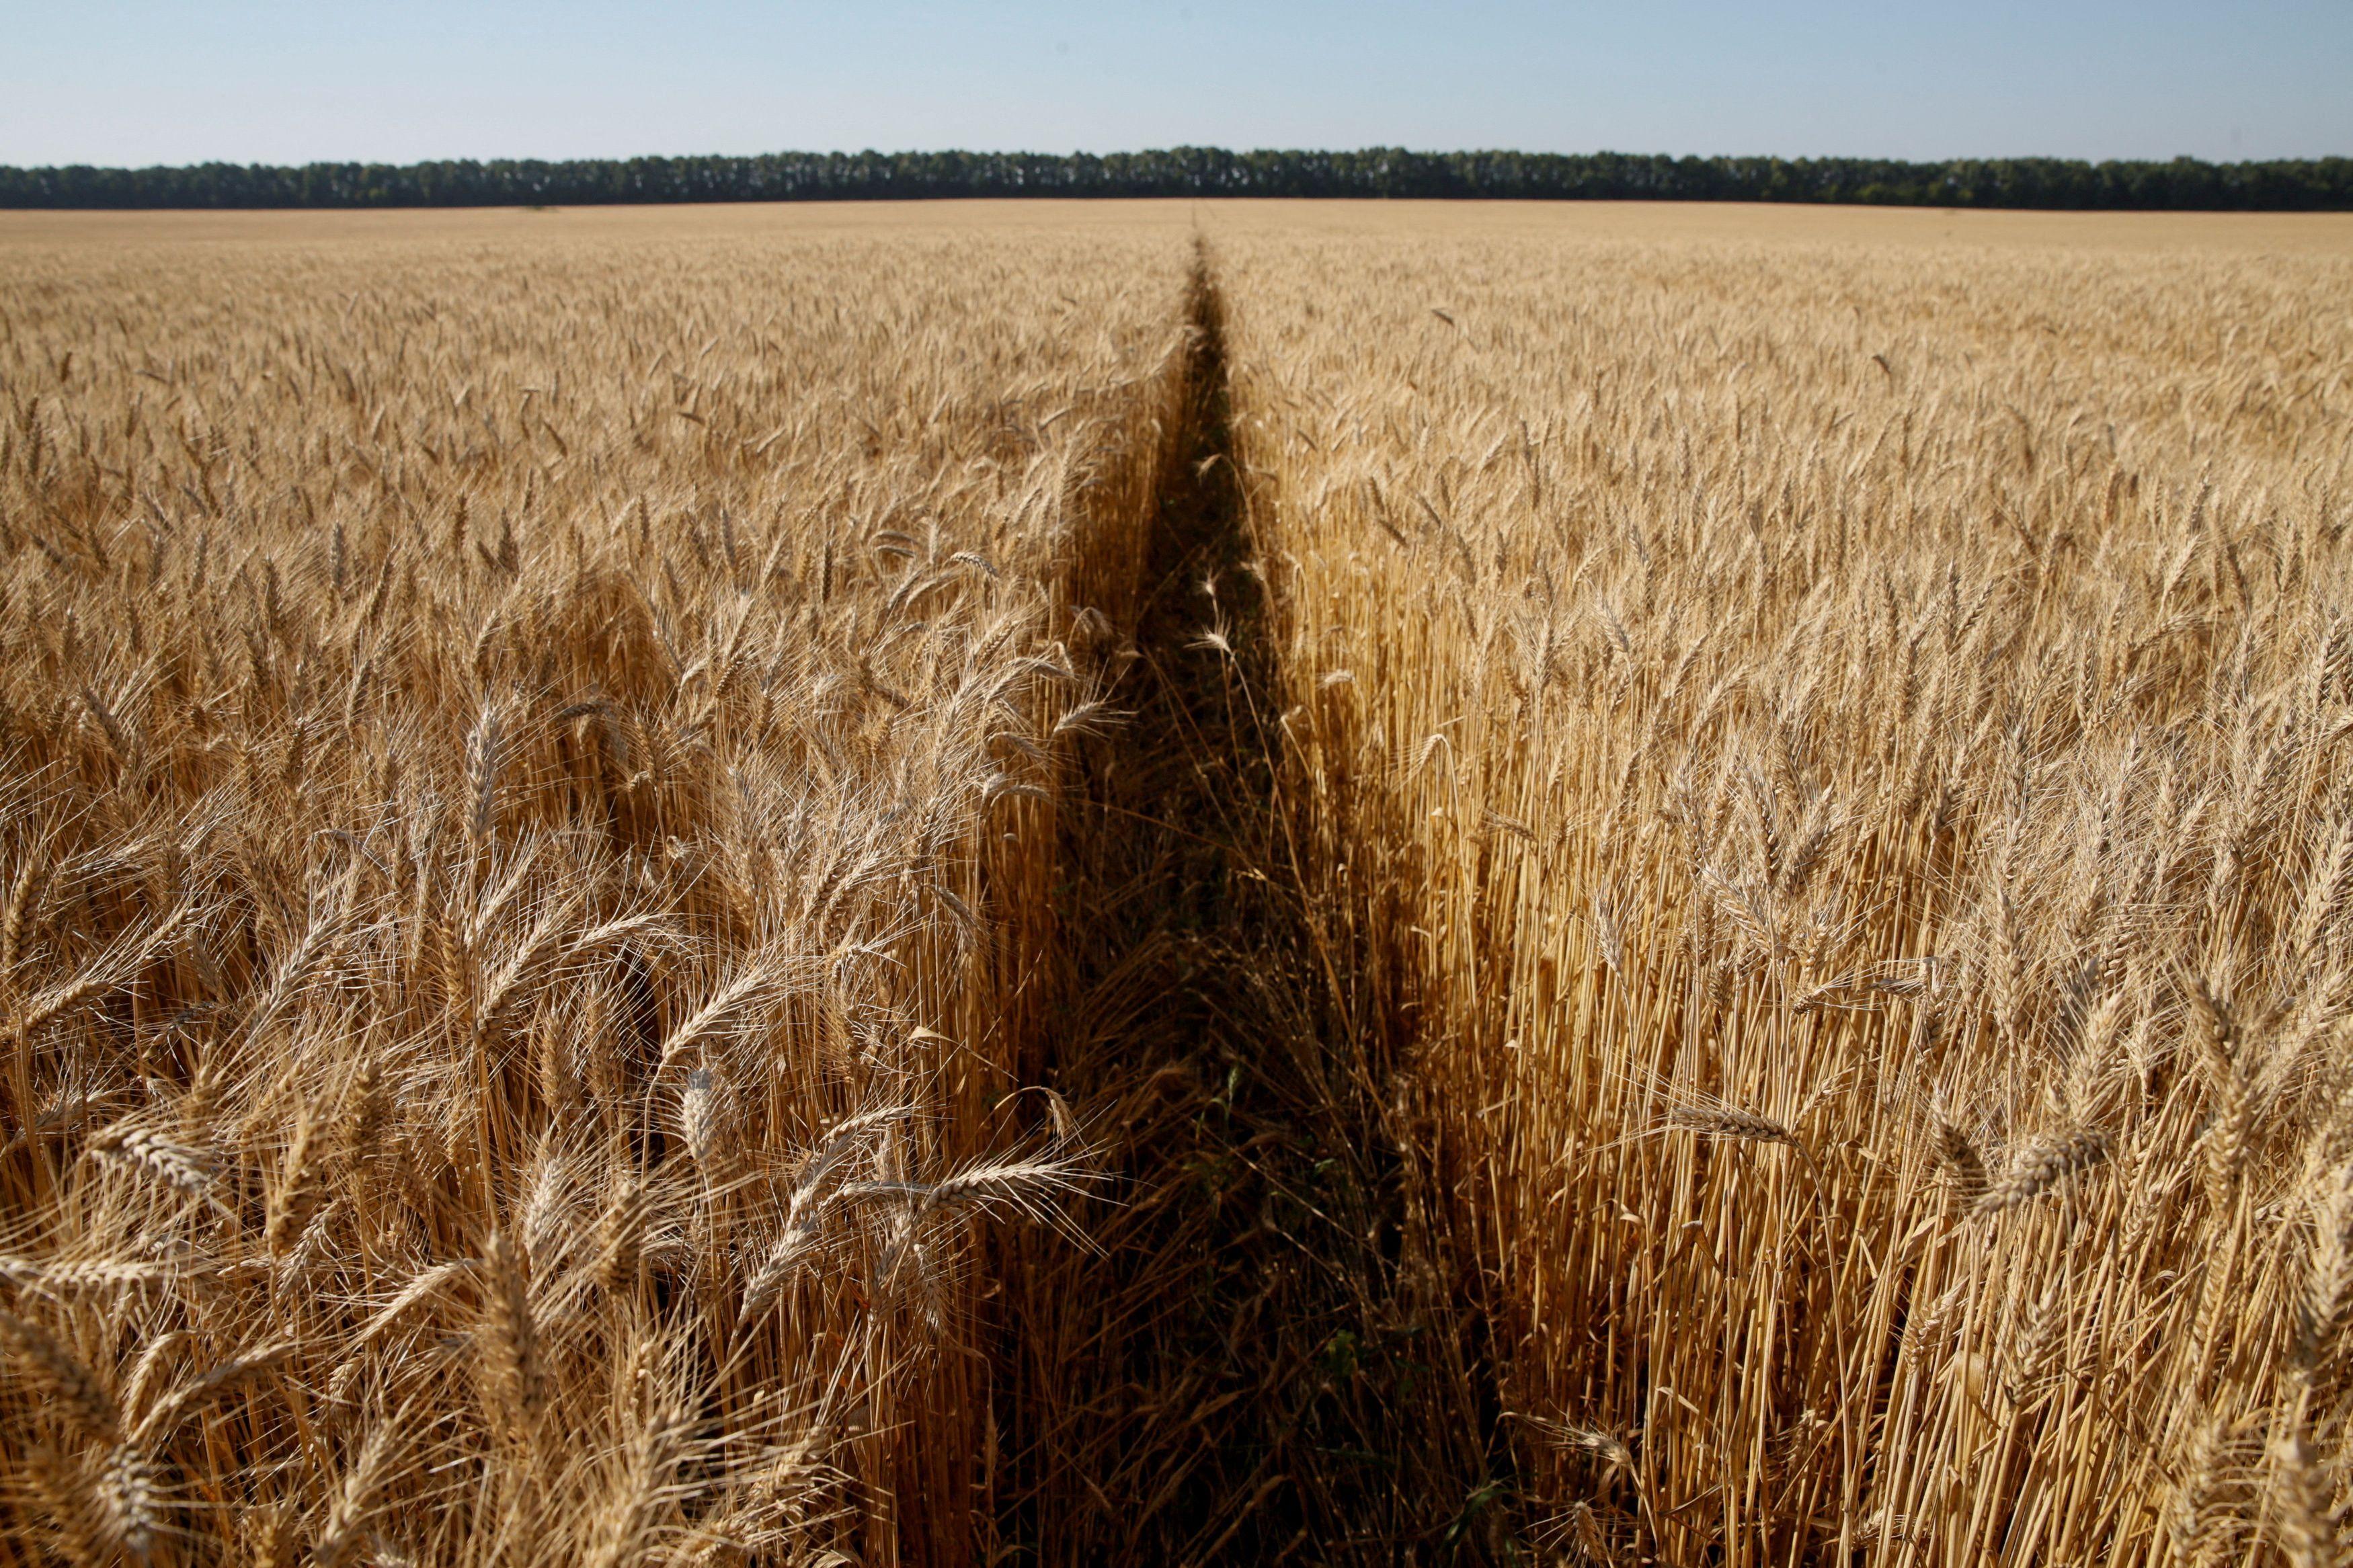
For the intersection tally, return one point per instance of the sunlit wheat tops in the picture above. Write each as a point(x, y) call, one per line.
point(1792, 867)
point(524, 770)
point(1860, 735)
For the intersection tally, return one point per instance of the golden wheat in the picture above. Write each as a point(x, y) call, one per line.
point(1918, 686)
point(1688, 869)
point(526, 777)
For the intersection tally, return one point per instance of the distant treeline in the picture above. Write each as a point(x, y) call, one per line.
point(2283, 185)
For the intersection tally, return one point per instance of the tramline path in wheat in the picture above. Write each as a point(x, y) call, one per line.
point(927, 886)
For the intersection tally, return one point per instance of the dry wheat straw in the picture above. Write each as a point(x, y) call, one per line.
point(1921, 687)
point(502, 748)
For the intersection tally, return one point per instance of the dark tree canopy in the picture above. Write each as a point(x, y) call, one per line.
point(2286, 185)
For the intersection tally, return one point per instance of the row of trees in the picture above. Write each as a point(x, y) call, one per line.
point(2300, 184)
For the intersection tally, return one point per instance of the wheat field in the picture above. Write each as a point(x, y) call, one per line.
point(1858, 735)
point(525, 767)
point(1176, 882)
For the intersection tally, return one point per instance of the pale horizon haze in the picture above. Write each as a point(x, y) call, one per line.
point(124, 82)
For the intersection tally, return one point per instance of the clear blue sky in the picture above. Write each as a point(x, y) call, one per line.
point(134, 81)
